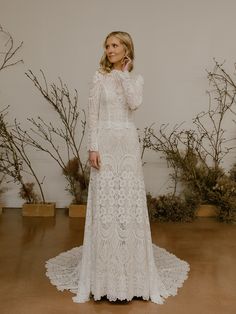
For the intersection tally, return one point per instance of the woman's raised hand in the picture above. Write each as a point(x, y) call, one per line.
point(126, 63)
point(94, 159)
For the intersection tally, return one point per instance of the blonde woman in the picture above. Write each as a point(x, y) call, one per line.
point(117, 259)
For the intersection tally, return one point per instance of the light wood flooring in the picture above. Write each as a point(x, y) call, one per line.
point(26, 243)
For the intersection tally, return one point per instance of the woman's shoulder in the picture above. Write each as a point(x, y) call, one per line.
point(97, 76)
point(137, 77)
point(98, 73)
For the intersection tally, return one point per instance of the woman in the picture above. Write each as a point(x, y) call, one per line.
point(117, 259)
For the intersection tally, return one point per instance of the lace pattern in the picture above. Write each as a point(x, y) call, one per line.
point(117, 258)
point(112, 99)
point(64, 271)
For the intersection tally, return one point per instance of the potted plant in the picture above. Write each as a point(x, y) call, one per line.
point(8, 53)
point(195, 155)
point(78, 187)
point(44, 136)
point(16, 165)
point(14, 160)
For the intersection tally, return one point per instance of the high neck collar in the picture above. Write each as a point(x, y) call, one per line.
point(116, 70)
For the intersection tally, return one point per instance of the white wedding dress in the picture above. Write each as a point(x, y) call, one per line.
point(117, 259)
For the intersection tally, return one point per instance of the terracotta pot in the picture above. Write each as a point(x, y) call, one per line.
point(77, 210)
point(38, 210)
point(207, 210)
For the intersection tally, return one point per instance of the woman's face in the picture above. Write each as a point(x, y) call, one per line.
point(115, 51)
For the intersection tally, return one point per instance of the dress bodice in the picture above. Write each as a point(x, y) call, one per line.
point(113, 109)
point(113, 97)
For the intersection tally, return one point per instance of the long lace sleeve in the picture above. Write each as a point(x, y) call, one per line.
point(133, 88)
point(93, 112)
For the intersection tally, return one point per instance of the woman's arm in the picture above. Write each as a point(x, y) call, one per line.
point(93, 111)
point(133, 88)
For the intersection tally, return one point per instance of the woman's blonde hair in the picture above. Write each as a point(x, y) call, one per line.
point(126, 40)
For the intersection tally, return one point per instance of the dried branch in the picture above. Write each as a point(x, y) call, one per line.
point(14, 158)
point(195, 156)
point(66, 106)
point(7, 56)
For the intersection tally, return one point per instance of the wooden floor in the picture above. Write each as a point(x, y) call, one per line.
point(26, 243)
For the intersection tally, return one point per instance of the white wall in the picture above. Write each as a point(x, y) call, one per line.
point(175, 41)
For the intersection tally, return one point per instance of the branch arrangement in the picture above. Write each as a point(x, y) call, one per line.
point(14, 160)
point(44, 135)
point(195, 155)
point(13, 155)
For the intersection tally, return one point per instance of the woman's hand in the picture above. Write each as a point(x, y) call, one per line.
point(94, 159)
point(126, 63)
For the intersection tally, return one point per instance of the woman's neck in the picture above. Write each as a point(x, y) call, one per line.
point(117, 66)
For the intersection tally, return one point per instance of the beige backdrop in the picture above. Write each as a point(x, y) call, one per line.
point(175, 41)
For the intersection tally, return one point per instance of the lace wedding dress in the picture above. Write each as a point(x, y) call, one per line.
point(117, 259)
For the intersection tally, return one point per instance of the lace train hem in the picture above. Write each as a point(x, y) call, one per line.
point(63, 271)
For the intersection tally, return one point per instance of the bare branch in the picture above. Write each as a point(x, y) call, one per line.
point(8, 55)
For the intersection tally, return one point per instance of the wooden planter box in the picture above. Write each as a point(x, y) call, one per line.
point(77, 210)
point(38, 210)
point(207, 210)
